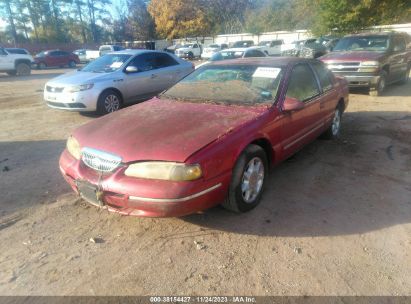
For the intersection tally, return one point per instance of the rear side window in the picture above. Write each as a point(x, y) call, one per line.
point(302, 85)
point(323, 75)
point(164, 60)
point(399, 44)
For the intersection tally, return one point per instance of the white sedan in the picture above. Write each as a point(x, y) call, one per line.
point(115, 80)
point(234, 53)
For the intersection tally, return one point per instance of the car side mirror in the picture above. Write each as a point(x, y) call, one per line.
point(292, 104)
point(131, 69)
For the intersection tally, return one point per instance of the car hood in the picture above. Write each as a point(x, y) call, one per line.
point(352, 56)
point(77, 78)
point(165, 130)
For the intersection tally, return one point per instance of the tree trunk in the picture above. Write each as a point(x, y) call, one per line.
point(11, 21)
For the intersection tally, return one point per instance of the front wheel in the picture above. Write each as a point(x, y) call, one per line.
point(41, 66)
point(334, 129)
point(72, 64)
point(247, 181)
point(380, 86)
point(108, 102)
point(23, 69)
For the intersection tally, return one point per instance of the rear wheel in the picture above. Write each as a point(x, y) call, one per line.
point(380, 86)
point(108, 102)
point(23, 69)
point(247, 181)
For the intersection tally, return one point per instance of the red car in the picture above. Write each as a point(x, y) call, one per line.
point(56, 58)
point(211, 138)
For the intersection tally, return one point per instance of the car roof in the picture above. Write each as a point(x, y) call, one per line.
point(136, 52)
point(374, 34)
point(263, 61)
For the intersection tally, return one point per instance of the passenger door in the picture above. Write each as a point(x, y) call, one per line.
point(329, 94)
point(301, 126)
point(143, 83)
point(52, 58)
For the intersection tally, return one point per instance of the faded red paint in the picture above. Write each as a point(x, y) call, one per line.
point(207, 134)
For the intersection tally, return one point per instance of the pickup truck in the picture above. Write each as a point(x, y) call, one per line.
point(271, 47)
point(189, 51)
point(15, 64)
point(372, 60)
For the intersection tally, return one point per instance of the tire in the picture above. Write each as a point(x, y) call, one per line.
point(242, 198)
point(378, 91)
point(406, 76)
point(108, 102)
point(41, 66)
point(190, 56)
point(72, 64)
point(23, 69)
point(334, 129)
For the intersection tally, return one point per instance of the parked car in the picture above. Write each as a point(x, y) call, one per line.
point(108, 48)
point(293, 49)
point(172, 48)
point(271, 47)
point(318, 48)
point(228, 54)
point(189, 51)
point(56, 58)
point(211, 49)
point(15, 64)
point(115, 80)
point(211, 138)
point(86, 55)
point(18, 51)
point(372, 60)
point(242, 44)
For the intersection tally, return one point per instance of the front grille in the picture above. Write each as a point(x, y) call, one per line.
point(74, 105)
point(343, 66)
point(54, 89)
point(99, 160)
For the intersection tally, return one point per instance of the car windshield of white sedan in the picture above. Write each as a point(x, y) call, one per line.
point(362, 43)
point(231, 84)
point(107, 63)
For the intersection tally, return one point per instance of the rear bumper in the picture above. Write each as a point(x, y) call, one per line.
point(146, 198)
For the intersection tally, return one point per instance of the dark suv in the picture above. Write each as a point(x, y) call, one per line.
point(372, 60)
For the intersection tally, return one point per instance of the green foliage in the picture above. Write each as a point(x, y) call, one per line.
point(345, 16)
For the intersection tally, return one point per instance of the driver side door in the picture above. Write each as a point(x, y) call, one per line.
point(301, 126)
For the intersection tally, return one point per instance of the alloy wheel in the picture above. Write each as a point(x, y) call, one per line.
point(111, 103)
point(252, 180)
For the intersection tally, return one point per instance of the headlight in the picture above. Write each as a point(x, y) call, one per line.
point(78, 88)
point(370, 63)
point(164, 171)
point(73, 147)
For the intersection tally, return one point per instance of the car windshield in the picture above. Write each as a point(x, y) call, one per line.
point(107, 63)
point(362, 43)
point(242, 44)
point(41, 54)
point(229, 84)
point(227, 55)
point(186, 45)
point(213, 46)
point(264, 43)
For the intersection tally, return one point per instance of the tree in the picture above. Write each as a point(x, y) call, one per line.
point(346, 16)
point(180, 18)
point(9, 14)
point(140, 24)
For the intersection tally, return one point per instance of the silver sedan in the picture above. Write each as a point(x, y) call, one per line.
point(116, 79)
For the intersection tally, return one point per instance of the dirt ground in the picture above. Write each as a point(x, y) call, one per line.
point(334, 220)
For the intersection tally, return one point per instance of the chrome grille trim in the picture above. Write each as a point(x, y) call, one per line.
point(99, 160)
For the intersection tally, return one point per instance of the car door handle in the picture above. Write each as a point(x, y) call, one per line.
point(153, 76)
